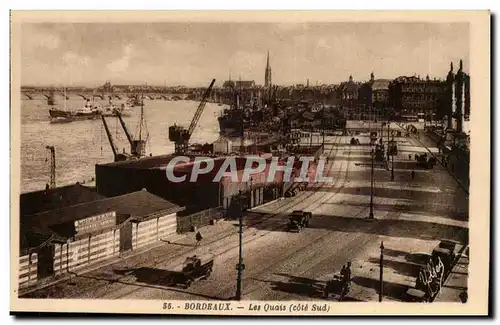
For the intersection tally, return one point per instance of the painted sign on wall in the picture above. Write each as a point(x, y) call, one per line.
point(96, 222)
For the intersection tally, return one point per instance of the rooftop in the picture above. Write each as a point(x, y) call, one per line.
point(381, 84)
point(137, 204)
point(51, 199)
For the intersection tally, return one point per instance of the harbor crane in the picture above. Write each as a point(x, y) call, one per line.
point(137, 145)
point(52, 166)
point(118, 156)
point(181, 136)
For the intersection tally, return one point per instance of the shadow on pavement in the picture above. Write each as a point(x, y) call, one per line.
point(393, 290)
point(413, 264)
point(177, 244)
point(404, 268)
point(386, 227)
point(157, 279)
point(297, 285)
point(423, 207)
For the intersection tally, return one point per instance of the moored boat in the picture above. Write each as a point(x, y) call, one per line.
point(111, 109)
point(88, 112)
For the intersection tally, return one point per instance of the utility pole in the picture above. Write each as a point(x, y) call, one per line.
point(52, 166)
point(323, 138)
point(381, 288)
point(371, 188)
point(240, 266)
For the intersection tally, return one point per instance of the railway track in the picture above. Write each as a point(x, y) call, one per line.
point(291, 203)
point(285, 207)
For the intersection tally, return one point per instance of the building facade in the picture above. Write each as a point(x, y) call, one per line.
point(414, 97)
point(349, 92)
point(380, 93)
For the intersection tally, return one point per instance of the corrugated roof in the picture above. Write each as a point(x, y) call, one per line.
point(136, 204)
point(56, 198)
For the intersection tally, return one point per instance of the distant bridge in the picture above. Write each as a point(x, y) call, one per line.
point(220, 95)
point(26, 95)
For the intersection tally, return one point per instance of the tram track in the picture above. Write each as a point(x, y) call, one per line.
point(252, 238)
point(290, 204)
point(359, 240)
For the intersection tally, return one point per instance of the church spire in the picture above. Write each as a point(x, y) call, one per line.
point(267, 77)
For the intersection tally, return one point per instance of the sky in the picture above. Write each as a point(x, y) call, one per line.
point(88, 54)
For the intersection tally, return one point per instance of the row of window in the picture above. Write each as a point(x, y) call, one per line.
point(419, 97)
point(418, 105)
point(411, 89)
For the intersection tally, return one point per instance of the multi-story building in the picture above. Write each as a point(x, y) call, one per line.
point(374, 93)
point(380, 93)
point(349, 93)
point(416, 98)
point(243, 84)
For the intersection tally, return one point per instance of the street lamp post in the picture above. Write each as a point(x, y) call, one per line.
point(392, 164)
point(371, 187)
point(392, 168)
point(388, 129)
point(381, 288)
point(240, 266)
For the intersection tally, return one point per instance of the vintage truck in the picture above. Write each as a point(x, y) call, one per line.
point(194, 268)
point(298, 219)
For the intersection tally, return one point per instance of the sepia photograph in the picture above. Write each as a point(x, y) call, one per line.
point(230, 163)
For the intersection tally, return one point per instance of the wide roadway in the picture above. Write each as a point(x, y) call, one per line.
point(292, 266)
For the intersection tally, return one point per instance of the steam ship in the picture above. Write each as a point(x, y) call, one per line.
point(231, 122)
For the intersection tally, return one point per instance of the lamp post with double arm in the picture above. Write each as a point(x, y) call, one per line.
point(381, 274)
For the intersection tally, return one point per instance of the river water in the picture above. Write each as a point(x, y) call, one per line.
point(80, 145)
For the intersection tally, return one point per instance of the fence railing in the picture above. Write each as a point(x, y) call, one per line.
point(190, 222)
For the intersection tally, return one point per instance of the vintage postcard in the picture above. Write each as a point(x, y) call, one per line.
point(250, 163)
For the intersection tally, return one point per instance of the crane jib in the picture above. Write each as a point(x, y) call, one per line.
point(199, 111)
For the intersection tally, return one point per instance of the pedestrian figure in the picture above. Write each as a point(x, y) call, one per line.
point(348, 272)
point(199, 237)
point(342, 272)
point(412, 175)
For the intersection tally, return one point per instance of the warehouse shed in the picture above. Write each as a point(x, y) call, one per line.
point(70, 238)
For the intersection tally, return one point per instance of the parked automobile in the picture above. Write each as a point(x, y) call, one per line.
point(298, 219)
